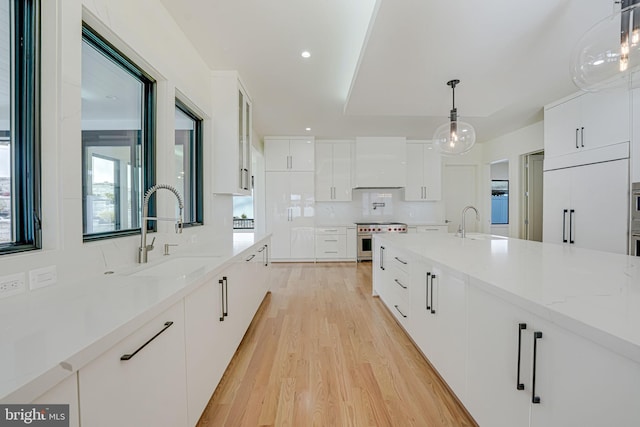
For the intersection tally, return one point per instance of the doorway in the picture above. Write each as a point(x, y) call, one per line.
point(500, 198)
point(533, 166)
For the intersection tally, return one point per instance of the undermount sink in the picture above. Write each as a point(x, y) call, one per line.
point(176, 268)
point(480, 236)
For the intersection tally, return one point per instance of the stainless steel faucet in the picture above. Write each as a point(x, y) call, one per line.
point(144, 248)
point(461, 229)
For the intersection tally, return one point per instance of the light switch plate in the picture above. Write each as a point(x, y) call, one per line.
point(41, 277)
point(12, 284)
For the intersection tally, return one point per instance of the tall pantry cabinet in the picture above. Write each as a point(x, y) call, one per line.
point(290, 203)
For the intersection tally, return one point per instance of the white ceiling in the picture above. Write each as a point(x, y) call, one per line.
point(380, 67)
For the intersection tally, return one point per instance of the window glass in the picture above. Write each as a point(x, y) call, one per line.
point(19, 144)
point(499, 202)
point(116, 140)
point(188, 162)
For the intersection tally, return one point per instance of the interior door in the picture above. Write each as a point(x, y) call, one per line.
point(460, 191)
point(534, 197)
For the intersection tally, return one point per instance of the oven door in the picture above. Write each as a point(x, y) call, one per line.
point(365, 247)
point(635, 244)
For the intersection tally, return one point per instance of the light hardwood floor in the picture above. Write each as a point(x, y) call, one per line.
point(322, 351)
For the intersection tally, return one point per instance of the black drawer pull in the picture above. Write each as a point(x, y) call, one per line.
point(399, 260)
point(400, 283)
point(129, 356)
point(251, 257)
point(521, 326)
point(535, 399)
point(401, 313)
point(427, 290)
point(433, 306)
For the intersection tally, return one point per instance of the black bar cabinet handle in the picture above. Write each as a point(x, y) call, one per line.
point(381, 257)
point(167, 325)
point(427, 290)
point(221, 281)
point(400, 283)
point(404, 262)
point(226, 296)
point(401, 313)
point(577, 130)
point(521, 326)
point(571, 212)
point(536, 336)
point(582, 137)
point(433, 306)
point(564, 227)
point(251, 257)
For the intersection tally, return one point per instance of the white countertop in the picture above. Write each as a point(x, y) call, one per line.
point(48, 334)
point(594, 294)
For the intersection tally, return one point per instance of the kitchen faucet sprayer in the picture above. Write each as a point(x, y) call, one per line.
point(144, 248)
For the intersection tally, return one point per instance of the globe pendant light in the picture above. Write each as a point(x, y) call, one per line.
point(455, 137)
point(608, 55)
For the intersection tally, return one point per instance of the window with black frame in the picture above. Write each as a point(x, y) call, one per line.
point(117, 139)
point(188, 162)
point(500, 202)
point(19, 126)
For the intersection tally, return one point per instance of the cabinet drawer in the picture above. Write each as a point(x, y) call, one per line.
point(328, 246)
point(400, 283)
point(399, 261)
point(331, 231)
point(432, 228)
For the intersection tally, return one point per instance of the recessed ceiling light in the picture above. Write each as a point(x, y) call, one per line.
point(305, 54)
point(111, 97)
point(308, 129)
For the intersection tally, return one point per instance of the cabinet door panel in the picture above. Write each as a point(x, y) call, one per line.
point(432, 173)
point(561, 128)
point(324, 172)
point(415, 172)
point(303, 212)
point(599, 197)
point(147, 390)
point(342, 172)
point(605, 118)
point(302, 154)
point(557, 198)
point(276, 154)
point(278, 213)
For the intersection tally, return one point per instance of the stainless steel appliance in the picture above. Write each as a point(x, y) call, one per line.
point(634, 231)
point(365, 234)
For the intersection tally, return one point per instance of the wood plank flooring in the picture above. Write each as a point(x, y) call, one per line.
point(322, 351)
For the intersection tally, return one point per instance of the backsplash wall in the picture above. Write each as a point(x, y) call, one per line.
point(378, 205)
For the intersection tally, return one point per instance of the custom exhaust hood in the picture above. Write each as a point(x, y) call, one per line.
point(381, 163)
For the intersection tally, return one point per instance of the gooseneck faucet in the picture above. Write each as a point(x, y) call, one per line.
point(144, 248)
point(461, 230)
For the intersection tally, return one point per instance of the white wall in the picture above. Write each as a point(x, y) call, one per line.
point(147, 34)
point(509, 147)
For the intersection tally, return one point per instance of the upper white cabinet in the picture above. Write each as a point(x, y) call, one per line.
point(143, 376)
point(232, 135)
point(586, 121)
point(333, 171)
point(381, 162)
point(424, 172)
point(587, 206)
point(289, 154)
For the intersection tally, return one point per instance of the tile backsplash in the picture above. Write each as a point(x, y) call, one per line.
point(379, 205)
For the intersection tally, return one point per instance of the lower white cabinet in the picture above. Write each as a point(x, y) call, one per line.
point(65, 392)
point(569, 388)
point(146, 389)
point(331, 243)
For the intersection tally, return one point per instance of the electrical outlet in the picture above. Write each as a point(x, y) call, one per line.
point(12, 284)
point(41, 277)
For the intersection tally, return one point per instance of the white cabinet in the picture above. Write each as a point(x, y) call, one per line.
point(394, 288)
point(333, 171)
point(570, 388)
point(290, 215)
point(289, 154)
point(427, 229)
point(424, 172)
point(142, 378)
point(588, 206)
point(65, 392)
point(352, 244)
point(232, 135)
point(381, 162)
point(440, 322)
point(331, 243)
point(586, 121)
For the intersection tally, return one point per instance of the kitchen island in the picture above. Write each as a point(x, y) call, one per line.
point(524, 333)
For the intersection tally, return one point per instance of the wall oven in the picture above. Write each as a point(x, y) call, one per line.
point(634, 230)
point(365, 232)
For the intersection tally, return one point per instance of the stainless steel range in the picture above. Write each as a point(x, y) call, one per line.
point(366, 232)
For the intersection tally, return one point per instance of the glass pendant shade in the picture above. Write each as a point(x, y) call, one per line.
point(454, 138)
point(608, 55)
